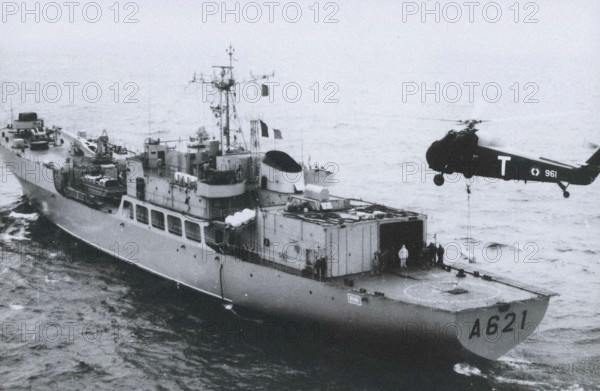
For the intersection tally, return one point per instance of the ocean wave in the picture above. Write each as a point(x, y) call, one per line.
point(15, 234)
point(467, 370)
point(24, 216)
point(16, 223)
point(515, 363)
point(521, 382)
point(11, 203)
point(574, 387)
point(564, 250)
point(496, 245)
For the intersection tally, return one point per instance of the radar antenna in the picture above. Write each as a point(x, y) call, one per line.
point(223, 106)
point(12, 117)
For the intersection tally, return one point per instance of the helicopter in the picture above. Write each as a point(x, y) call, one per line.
point(463, 152)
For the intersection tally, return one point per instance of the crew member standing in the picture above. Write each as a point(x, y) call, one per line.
point(321, 267)
point(376, 263)
point(440, 255)
point(403, 255)
point(431, 254)
point(423, 256)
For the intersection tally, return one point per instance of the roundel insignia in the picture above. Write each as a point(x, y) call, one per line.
point(535, 171)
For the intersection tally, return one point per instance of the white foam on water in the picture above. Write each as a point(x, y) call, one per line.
point(521, 382)
point(515, 363)
point(24, 216)
point(20, 235)
point(16, 307)
point(467, 370)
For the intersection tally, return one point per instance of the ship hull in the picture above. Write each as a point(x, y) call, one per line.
point(266, 289)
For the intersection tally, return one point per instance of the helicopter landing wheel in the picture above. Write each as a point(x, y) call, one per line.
point(438, 179)
point(566, 194)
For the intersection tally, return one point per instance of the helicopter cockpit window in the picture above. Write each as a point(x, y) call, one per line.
point(451, 135)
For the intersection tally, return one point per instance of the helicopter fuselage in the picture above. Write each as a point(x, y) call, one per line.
point(459, 152)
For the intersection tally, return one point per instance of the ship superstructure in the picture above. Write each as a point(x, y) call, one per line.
point(247, 227)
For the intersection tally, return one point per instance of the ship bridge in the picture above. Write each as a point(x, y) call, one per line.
point(194, 177)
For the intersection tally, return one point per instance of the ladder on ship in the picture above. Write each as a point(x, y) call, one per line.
point(254, 199)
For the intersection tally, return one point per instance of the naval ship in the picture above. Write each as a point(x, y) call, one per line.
point(252, 229)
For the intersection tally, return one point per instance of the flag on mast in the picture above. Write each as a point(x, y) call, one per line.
point(264, 129)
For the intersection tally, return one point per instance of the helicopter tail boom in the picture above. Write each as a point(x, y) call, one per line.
point(595, 159)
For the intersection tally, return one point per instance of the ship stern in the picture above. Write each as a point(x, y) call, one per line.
point(492, 331)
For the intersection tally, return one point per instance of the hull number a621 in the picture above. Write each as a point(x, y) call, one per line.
point(506, 323)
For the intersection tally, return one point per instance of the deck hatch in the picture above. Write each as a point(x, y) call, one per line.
point(457, 291)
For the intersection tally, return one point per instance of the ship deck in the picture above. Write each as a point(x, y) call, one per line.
point(56, 154)
point(358, 211)
point(442, 289)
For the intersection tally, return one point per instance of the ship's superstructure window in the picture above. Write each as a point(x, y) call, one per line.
point(141, 214)
point(192, 231)
point(174, 225)
point(127, 209)
point(158, 219)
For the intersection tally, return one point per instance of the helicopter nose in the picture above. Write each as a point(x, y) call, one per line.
point(430, 154)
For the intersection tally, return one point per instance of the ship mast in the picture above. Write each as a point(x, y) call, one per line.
point(224, 108)
point(224, 84)
point(229, 51)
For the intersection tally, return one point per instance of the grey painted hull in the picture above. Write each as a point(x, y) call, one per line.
point(272, 291)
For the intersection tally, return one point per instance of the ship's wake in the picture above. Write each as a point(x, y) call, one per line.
point(15, 221)
point(467, 370)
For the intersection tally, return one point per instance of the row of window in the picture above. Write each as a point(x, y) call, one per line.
point(157, 219)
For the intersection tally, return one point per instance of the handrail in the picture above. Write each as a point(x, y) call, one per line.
point(252, 256)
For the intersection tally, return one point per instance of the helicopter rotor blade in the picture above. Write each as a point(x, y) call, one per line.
point(475, 121)
point(437, 119)
point(542, 116)
point(472, 121)
point(456, 121)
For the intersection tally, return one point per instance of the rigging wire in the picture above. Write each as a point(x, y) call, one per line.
point(469, 239)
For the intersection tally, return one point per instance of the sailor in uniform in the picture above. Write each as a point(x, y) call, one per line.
point(403, 255)
point(375, 267)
